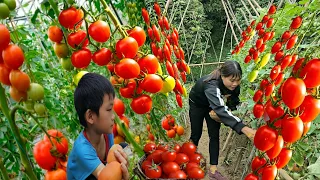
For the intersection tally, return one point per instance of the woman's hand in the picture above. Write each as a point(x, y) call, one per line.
point(122, 158)
point(214, 116)
point(250, 133)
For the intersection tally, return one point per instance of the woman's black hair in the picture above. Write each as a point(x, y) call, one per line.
point(89, 94)
point(229, 68)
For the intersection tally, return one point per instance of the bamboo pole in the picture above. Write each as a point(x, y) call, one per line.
point(184, 14)
point(257, 4)
point(204, 57)
point(254, 9)
point(234, 34)
point(214, 50)
point(173, 12)
point(194, 44)
point(245, 6)
point(270, 3)
point(233, 15)
point(244, 15)
point(213, 63)
point(280, 3)
point(167, 6)
point(224, 35)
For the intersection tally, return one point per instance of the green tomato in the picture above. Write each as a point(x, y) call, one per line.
point(35, 92)
point(4, 11)
point(29, 105)
point(40, 109)
point(11, 4)
point(66, 64)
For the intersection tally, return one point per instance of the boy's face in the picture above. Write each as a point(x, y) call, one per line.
point(105, 121)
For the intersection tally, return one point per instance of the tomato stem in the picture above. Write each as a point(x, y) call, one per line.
point(89, 39)
point(157, 123)
point(129, 138)
point(113, 18)
point(16, 134)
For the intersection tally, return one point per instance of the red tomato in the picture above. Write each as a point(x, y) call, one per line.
point(292, 41)
point(269, 89)
point(309, 109)
point(129, 90)
point(261, 32)
point(275, 150)
point(126, 48)
point(283, 158)
point(178, 175)
point(188, 148)
point(296, 22)
point(247, 59)
point(102, 57)
point(166, 23)
point(81, 58)
point(266, 36)
point(182, 158)
point(279, 55)
point(298, 65)
point(157, 8)
point(5, 37)
point(251, 176)
point(165, 124)
point(55, 34)
point(259, 26)
point(311, 73)
point(99, 31)
point(256, 55)
point(292, 128)
point(154, 48)
point(258, 163)
point(257, 96)
point(275, 71)
point(171, 133)
point(56, 174)
point(13, 56)
point(149, 147)
point(179, 100)
point(276, 47)
point(78, 38)
point(279, 79)
point(270, 23)
point(169, 167)
point(68, 18)
point(181, 53)
point(177, 148)
point(269, 172)
point(146, 164)
point(168, 156)
point(155, 156)
point(19, 80)
point(145, 16)
point(153, 172)
point(170, 69)
point(59, 141)
point(293, 92)
point(286, 61)
point(196, 158)
point(162, 147)
point(127, 68)
point(196, 173)
point(293, 60)
point(4, 74)
point(152, 83)
point(148, 64)
point(306, 127)
point(141, 104)
point(118, 107)
point(273, 112)
point(272, 9)
point(138, 34)
point(17, 95)
point(42, 155)
point(258, 110)
point(285, 36)
point(156, 33)
point(265, 138)
point(262, 48)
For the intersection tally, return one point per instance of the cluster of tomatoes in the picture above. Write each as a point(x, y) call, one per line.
point(51, 155)
point(5, 7)
point(289, 112)
point(168, 123)
point(165, 42)
point(176, 161)
point(21, 88)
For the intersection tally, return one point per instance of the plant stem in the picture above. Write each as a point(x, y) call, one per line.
point(21, 143)
point(113, 18)
point(3, 170)
point(129, 138)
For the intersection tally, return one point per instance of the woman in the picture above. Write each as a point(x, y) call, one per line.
point(206, 100)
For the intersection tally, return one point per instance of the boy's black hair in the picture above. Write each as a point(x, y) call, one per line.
point(89, 94)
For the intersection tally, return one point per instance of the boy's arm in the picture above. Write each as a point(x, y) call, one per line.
point(97, 171)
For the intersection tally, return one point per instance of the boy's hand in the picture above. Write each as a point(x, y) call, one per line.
point(122, 158)
point(214, 116)
point(250, 133)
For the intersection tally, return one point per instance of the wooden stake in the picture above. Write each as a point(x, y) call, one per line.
point(214, 51)
point(245, 17)
point(204, 57)
point(252, 6)
point(167, 6)
point(245, 6)
point(225, 9)
point(224, 35)
point(257, 4)
point(184, 14)
point(229, 8)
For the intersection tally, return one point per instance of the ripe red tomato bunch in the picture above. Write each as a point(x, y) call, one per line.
point(169, 124)
point(21, 88)
point(173, 161)
point(51, 154)
point(290, 105)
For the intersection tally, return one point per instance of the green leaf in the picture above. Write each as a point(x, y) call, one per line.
point(303, 2)
point(304, 146)
point(34, 17)
point(97, 4)
point(298, 158)
point(314, 168)
point(51, 13)
point(290, 164)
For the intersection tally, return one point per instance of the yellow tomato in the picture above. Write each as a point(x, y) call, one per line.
point(265, 60)
point(168, 84)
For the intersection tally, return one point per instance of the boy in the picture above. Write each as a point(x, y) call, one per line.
point(93, 100)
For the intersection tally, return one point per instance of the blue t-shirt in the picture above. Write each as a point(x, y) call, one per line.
point(83, 159)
